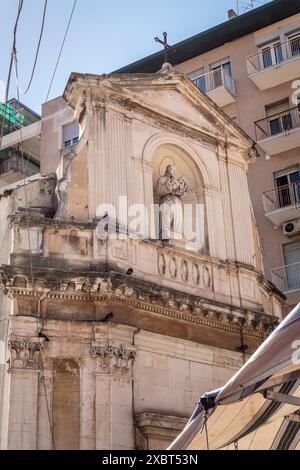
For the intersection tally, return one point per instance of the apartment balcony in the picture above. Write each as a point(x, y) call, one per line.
point(218, 85)
point(280, 132)
point(30, 137)
point(275, 65)
point(287, 280)
point(14, 169)
point(282, 204)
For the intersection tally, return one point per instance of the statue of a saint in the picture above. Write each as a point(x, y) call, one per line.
point(171, 190)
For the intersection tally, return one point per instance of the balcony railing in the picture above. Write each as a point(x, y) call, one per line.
point(214, 80)
point(11, 164)
point(277, 124)
point(274, 56)
point(283, 197)
point(15, 164)
point(287, 278)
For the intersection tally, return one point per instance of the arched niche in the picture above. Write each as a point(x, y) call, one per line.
point(172, 154)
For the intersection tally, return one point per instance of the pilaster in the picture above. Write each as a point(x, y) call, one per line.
point(114, 391)
point(23, 397)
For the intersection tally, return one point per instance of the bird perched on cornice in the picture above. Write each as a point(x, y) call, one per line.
point(108, 318)
point(42, 336)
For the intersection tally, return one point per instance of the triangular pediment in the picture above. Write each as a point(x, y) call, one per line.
point(165, 95)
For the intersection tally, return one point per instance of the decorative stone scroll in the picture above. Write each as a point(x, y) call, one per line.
point(111, 357)
point(25, 352)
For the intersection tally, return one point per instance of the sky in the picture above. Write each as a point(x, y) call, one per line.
point(104, 36)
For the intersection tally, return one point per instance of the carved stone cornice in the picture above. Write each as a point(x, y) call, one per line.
point(112, 358)
point(152, 299)
point(24, 352)
point(158, 427)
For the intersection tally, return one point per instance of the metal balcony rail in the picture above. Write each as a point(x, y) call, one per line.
point(215, 79)
point(15, 164)
point(274, 55)
point(277, 124)
point(11, 164)
point(287, 278)
point(282, 197)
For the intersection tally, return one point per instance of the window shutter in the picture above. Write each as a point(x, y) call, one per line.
point(291, 253)
point(70, 132)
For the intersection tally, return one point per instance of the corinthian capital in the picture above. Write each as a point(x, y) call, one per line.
point(24, 352)
point(111, 357)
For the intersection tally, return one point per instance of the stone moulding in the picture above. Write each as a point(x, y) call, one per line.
point(159, 301)
point(157, 426)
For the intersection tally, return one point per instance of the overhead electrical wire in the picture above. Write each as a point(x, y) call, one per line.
point(61, 49)
point(37, 316)
point(55, 68)
point(40, 328)
point(36, 55)
point(20, 6)
point(14, 60)
point(21, 2)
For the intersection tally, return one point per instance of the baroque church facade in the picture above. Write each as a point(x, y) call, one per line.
point(108, 344)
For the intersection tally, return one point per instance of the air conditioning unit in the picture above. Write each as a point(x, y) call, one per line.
point(292, 228)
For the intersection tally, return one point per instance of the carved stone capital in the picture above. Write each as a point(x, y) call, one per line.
point(24, 352)
point(250, 155)
point(112, 358)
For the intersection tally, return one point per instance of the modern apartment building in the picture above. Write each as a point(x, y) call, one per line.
point(249, 66)
point(17, 159)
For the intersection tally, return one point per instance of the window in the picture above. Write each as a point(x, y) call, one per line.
point(70, 134)
point(271, 54)
point(220, 74)
point(221, 71)
point(198, 78)
point(287, 182)
point(291, 256)
point(279, 117)
point(294, 44)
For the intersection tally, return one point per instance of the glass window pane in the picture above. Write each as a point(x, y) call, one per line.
point(295, 45)
point(283, 195)
point(267, 58)
point(201, 83)
point(217, 80)
point(278, 53)
point(275, 126)
point(294, 177)
point(287, 122)
point(227, 69)
point(282, 181)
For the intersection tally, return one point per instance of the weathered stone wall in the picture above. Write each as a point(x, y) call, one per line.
point(101, 382)
point(115, 340)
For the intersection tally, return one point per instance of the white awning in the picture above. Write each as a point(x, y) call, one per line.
point(259, 408)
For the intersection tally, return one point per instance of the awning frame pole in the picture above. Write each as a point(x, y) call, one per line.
point(281, 398)
point(293, 418)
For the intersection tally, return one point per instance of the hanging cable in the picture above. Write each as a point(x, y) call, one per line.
point(38, 314)
point(55, 70)
point(253, 439)
point(206, 432)
point(61, 49)
point(11, 66)
point(36, 55)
